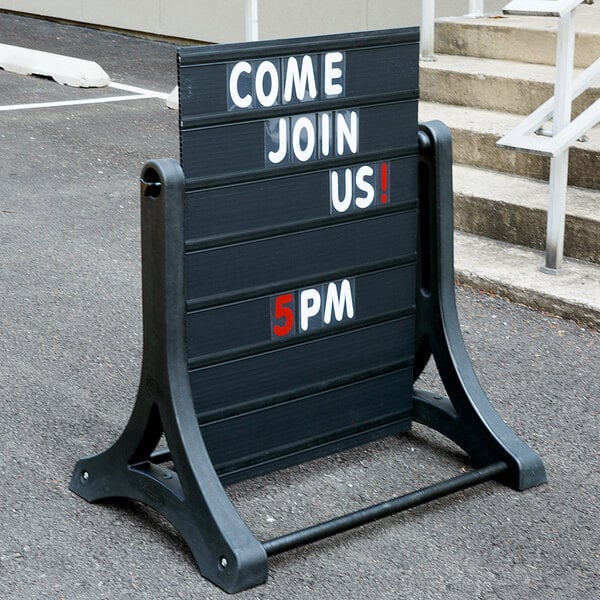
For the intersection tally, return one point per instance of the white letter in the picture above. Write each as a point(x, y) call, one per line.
point(310, 306)
point(364, 186)
point(301, 125)
point(347, 133)
point(338, 303)
point(280, 154)
point(325, 132)
point(270, 98)
point(238, 69)
point(298, 80)
point(341, 205)
point(331, 73)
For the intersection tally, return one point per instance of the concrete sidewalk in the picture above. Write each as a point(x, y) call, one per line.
point(514, 273)
point(70, 350)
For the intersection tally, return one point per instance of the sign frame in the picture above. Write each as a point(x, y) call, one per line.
point(190, 492)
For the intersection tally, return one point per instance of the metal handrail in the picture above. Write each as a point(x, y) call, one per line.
point(564, 131)
point(520, 137)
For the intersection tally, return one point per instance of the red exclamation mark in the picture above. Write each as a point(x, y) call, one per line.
point(384, 183)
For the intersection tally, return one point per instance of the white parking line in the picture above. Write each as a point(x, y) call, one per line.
point(10, 107)
point(137, 90)
point(137, 94)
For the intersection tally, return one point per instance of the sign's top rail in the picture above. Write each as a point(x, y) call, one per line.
point(194, 55)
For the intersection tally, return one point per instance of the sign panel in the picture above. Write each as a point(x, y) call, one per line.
point(300, 159)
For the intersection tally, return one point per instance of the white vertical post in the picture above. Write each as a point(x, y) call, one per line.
point(251, 20)
point(427, 29)
point(475, 8)
point(559, 166)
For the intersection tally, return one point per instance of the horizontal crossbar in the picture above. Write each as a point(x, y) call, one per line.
point(541, 8)
point(555, 145)
point(384, 509)
point(520, 137)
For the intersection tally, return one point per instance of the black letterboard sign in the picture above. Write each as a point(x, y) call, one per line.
point(300, 159)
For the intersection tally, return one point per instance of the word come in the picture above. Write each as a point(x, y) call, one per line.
point(312, 308)
point(276, 81)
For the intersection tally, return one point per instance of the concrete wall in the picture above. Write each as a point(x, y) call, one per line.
point(224, 20)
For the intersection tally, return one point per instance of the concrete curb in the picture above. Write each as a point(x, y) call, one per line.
point(173, 99)
point(67, 70)
point(514, 273)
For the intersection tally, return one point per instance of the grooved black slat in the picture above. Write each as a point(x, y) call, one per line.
point(242, 209)
point(339, 248)
point(190, 56)
point(240, 325)
point(290, 426)
point(301, 366)
point(369, 71)
point(221, 150)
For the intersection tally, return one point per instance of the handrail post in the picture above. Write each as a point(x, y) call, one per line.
point(427, 30)
point(475, 8)
point(251, 20)
point(559, 166)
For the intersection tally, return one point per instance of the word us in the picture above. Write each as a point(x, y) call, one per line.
point(308, 309)
point(359, 187)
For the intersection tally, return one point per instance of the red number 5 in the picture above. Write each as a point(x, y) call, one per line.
point(285, 312)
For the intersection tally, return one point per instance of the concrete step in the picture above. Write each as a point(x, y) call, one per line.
point(514, 209)
point(492, 84)
point(514, 272)
point(476, 131)
point(526, 39)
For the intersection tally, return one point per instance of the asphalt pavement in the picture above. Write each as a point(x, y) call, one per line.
point(70, 350)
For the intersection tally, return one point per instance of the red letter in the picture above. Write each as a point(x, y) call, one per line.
point(283, 312)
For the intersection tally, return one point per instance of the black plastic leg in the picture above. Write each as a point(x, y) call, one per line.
point(467, 417)
point(191, 497)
